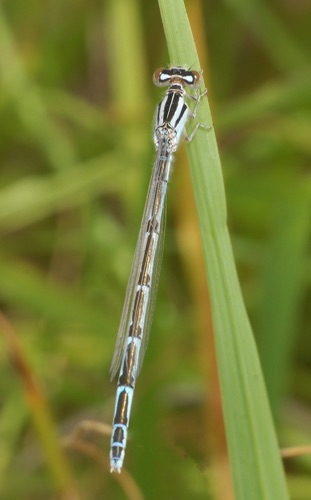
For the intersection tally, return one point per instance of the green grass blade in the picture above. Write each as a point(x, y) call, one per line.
point(254, 456)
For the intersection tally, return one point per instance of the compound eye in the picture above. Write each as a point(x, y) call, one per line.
point(161, 77)
point(196, 78)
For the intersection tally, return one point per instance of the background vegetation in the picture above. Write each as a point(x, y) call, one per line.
point(76, 107)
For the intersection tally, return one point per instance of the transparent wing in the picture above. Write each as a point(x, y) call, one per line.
point(131, 287)
point(153, 290)
point(134, 275)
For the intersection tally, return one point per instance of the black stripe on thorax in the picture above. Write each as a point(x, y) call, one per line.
point(171, 106)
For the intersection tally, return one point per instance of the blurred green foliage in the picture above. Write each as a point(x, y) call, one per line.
point(76, 153)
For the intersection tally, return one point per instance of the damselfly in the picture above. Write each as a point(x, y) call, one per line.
point(171, 117)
